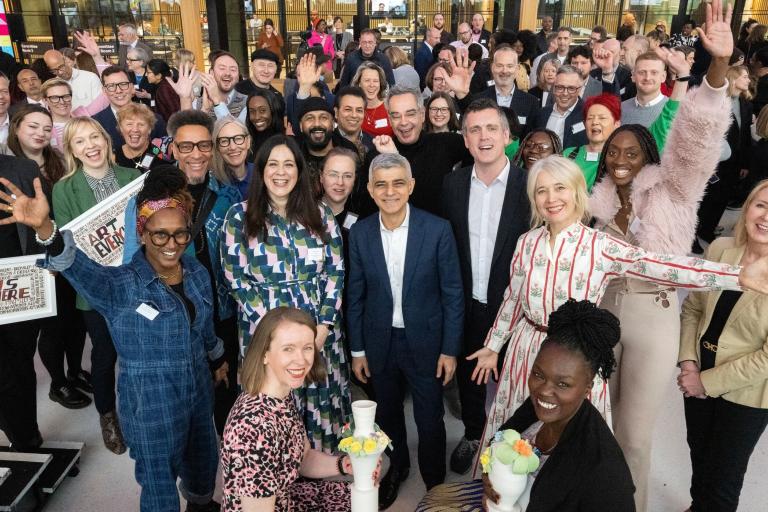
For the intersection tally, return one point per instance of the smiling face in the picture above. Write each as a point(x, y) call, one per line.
point(89, 146)
point(370, 84)
point(164, 259)
point(439, 114)
point(390, 189)
point(600, 124)
point(566, 90)
point(624, 158)
point(280, 174)
point(263, 71)
point(560, 380)
point(485, 137)
point(289, 357)
point(440, 80)
point(350, 114)
point(555, 201)
point(195, 163)
point(538, 146)
point(259, 113)
point(756, 218)
point(61, 106)
point(226, 72)
point(234, 154)
point(34, 132)
point(338, 179)
point(504, 68)
point(117, 91)
point(742, 82)
point(135, 131)
point(317, 127)
point(406, 118)
point(648, 75)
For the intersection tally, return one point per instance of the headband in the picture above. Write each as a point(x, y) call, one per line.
point(152, 206)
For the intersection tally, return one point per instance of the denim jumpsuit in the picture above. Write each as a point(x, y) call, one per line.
point(165, 388)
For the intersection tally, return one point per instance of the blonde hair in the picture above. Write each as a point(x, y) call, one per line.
point(70, 131)
point(184, 56)
point(254, 369)
point(566, 172)
point(396, 56)
point(55, 82)
point(733, 73)
point(740, 228)
point(138, 110)
point(220, 168)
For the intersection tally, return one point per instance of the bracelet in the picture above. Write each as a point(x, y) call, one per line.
point(683, 78)
point(48, 241)
point(340, 465)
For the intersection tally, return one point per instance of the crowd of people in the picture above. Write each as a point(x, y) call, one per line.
point(504, 208)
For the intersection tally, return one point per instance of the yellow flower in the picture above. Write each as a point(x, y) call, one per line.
point(344, 444)
point(355, 447)
point(370, 446)
point(485, 460)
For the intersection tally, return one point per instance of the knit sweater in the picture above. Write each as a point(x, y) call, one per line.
point(632, 113)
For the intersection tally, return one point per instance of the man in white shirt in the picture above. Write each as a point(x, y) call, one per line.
point(488, 209)
point(564, 116)
point(405, 312)
point(86, 86)
point(5, 102)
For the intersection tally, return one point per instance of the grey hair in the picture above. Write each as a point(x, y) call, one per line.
point(567, 69)
point(140, 53)
point(397, 90)
point(389, 161)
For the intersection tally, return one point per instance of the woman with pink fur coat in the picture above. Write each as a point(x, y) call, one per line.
point(651, 202)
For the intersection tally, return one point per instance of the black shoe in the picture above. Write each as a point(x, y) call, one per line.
point(463, 455)
point(69, 397)
point(697, 248)
point(389, 486)
point(81, 380)
point(211, 506)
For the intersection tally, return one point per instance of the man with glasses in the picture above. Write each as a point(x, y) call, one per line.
point(118, 88)
point(86, 86)
point(465, 39)
point(129, 38)
point(29, 83)
point(368, 51)
point(565, 116)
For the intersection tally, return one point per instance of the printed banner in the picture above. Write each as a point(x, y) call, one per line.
point(100, 231)
point(26, 291)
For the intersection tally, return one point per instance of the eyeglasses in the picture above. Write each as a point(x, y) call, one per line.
point(205, 146)
point(58, 69)
point(571, 89)
point(223, 142)
point(538, 146)
point(161, 238)
point(134, 60)
point(439, 110)
point(335, 176)
point(113, 87)
point(66, 98)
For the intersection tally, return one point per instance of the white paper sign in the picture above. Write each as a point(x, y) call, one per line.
point(100, 231)
point(26, 291)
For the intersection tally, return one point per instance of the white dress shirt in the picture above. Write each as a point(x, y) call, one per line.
point(394, 243)
point(485, 204)
point(504, 101)
point(556, 121)
point(4, 126)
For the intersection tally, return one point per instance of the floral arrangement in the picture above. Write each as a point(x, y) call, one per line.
point(511, 450)
point(372, 444)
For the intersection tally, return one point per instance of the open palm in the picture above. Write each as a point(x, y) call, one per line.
point(716, 35)
point(30, 211)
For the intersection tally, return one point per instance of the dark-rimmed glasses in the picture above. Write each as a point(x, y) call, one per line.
point(161, 238)
point(223, 142)
point(66, 98)
point(205, 146)
point(113, 87)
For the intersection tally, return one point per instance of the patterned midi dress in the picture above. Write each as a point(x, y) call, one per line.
point(292, 266)
point(580, 266)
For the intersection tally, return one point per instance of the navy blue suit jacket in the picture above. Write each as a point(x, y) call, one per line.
point(422, 62)
point(433, 298)
point(106, 118)
point(574, 134)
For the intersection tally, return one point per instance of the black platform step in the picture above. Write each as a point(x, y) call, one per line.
point(65, 455)
point(25, 471)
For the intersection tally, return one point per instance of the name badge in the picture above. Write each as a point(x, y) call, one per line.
point(521, 119)
point(147, 311)
point(151, 103)
point(491, 83)
point(146, 161)
point(315, 254)
point(578, 127)
point(592, 157)
point(136, 87)
point(623, 90)
point(381, 123)
point(350, 220)
point(635, 226)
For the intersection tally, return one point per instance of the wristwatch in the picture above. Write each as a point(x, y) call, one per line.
point(683, 78)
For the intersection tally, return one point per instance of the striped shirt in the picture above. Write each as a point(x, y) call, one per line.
point(103, 187)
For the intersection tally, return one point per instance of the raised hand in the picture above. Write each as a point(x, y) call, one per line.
point(186, 81)
point(211, 89)
point(87, 43)
point(307, 72)
point(30, 211)
point(604, 60)
point(716, 35)
point(461, 73)
point(675, 60)
point(384, 144)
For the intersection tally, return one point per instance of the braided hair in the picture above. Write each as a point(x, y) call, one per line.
point(557, 146)
point(583, 327)
point(644, 138)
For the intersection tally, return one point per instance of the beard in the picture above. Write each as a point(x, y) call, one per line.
point(314, 144)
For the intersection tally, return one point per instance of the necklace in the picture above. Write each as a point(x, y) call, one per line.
point(173, 275)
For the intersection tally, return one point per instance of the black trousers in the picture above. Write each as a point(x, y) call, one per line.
point(62, 336)
point(18, 384)
point(224, 397)
point(715, 201)
point(390, 386)
point(471, 395)
point(103, 360)
point(721, 436)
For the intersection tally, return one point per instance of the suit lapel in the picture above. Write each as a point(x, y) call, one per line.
point(733, 256)
point(377, 247)
point(509, 212)
point(463, 206)
point(412, 250)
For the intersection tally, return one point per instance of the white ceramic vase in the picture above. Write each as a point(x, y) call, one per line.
point(364, 414)
point(365, 496)
point(508, 485)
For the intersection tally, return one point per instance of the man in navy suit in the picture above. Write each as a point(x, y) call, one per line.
point(565, 115)
point(119, 89)
point(405, 314)
point(424, 58)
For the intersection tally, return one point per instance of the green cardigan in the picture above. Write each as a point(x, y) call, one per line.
point(72, 196)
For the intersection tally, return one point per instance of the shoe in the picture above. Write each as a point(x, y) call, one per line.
point(211, 506)
point(82, 381)
point(697, 248)
point(111, 433)
point(463, 455)
point(389, 486)
point(69, 397)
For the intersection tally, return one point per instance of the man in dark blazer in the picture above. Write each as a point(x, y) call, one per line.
point(405, 312)
point(18, 341)
point(565, 115)
point(488, 209)
point(129, 38)
point(119, 90)
point(502, 90)
point(424, 57)
point(479, 34)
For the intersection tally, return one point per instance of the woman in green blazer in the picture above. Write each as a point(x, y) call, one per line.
point(724, 367)
point(91, 177)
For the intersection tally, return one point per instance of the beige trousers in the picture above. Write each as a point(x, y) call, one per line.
point(646, 361)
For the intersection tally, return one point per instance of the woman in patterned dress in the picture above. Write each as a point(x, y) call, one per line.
point(264, 447)
point(562, 259)
point(281, 248)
